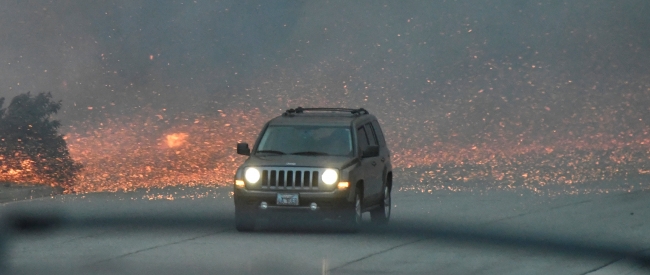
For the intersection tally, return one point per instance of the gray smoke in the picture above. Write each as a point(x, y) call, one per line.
point(446, 68)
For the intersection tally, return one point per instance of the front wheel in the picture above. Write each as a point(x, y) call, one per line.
point(353, 219)
point(381, 214)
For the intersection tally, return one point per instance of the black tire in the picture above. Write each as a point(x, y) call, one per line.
point(381, 214)
point(353, 218)
point(244, 221)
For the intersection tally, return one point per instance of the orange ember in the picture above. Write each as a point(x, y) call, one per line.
point(175, 140)
point(21, 171)
point(124, 153)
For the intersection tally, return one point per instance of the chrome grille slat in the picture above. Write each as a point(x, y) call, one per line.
point(291, 178)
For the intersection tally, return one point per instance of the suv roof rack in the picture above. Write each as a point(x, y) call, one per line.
point(301, 110)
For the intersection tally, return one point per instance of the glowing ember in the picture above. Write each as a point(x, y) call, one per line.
point(20, 173)
point(175, 140)
point(124, 153)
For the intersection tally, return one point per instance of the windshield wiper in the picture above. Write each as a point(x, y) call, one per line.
point(271, 151)
point(311, 153)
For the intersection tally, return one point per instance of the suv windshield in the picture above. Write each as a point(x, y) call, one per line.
point(306, 140)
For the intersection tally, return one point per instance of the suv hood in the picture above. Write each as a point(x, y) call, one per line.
point(300, 161)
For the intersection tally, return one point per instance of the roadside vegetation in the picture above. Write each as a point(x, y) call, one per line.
point(31, 149)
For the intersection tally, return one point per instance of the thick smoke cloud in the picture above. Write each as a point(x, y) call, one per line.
point(441, 70)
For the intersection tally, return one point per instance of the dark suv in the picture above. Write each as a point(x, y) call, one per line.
point(326, 162)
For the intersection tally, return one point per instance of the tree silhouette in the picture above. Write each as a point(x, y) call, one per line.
point(28, 137)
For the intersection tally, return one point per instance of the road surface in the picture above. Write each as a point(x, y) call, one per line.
point(190, 231)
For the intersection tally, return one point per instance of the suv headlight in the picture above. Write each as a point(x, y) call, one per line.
point(330, 176)
point(252, 175)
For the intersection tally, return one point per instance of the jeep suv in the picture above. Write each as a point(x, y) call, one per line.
point(325, 162)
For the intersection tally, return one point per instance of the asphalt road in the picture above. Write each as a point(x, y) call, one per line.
point(443, 232)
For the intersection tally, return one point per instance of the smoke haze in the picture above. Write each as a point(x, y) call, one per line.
point(461, 72)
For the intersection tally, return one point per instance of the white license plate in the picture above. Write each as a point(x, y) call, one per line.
point(287, 199)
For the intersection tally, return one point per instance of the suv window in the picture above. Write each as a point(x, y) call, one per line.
point(372, 135)
point(380, 135)
point(306, 139)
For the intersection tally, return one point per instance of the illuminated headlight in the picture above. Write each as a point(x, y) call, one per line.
point(252, 175)
point(330, 176)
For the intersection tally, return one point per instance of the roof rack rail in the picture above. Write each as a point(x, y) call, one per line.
point(301, 110)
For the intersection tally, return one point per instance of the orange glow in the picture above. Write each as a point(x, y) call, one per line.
point(239, 183)
point(19, 171)
point(124, 153)
point(153, 149)
point(175, 140)
point(343, 185)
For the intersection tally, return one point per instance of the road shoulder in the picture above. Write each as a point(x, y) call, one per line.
point(10, 192)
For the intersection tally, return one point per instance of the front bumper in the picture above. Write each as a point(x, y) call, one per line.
point(328, 203)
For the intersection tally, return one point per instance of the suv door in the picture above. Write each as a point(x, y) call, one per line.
point(366, 164)
point(384, 152)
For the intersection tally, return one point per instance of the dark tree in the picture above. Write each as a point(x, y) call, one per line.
point(28, 135)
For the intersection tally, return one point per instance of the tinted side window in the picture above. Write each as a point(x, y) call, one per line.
point(380, 135)
point(362, 139)
point(372, 136)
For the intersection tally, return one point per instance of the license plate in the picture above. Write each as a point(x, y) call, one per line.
point(287, 199)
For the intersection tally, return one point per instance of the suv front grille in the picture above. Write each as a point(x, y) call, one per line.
point(279, 178)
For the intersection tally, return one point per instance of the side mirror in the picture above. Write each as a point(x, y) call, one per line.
point(243, 149)
point(371, 151)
